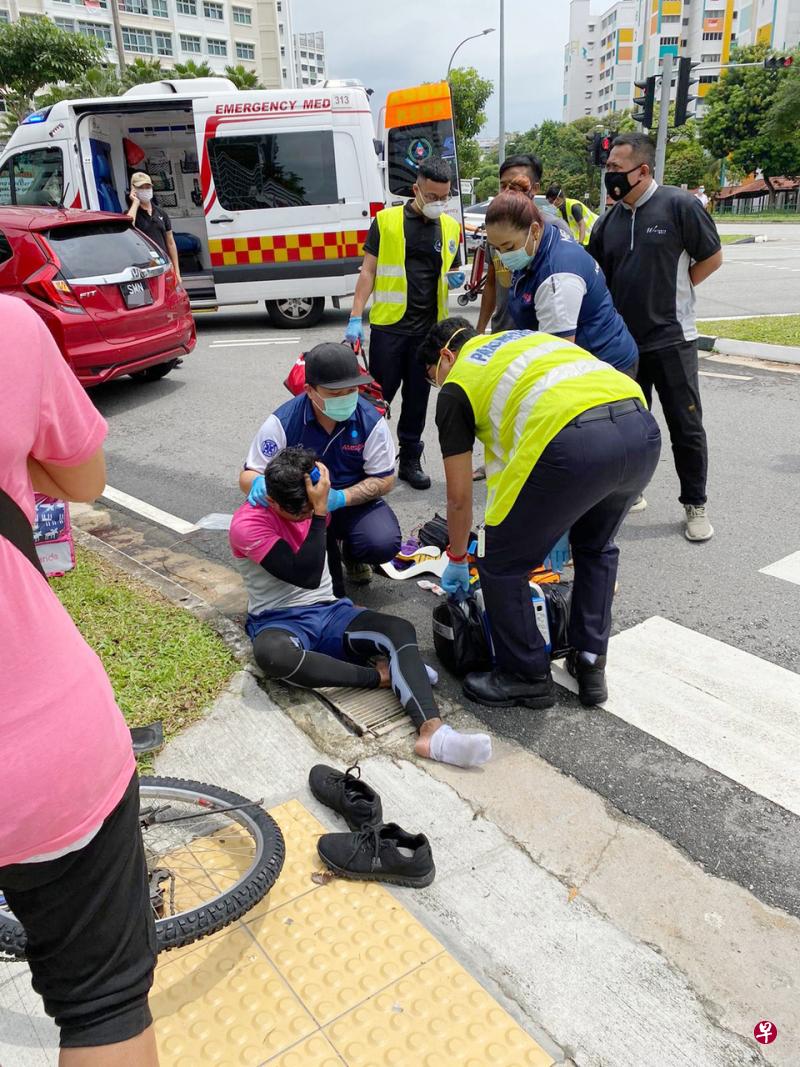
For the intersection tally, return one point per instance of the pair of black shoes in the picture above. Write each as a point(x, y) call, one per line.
point(375, 851)
point(501, 689)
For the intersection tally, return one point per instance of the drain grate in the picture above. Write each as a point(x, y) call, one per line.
point(368, 711)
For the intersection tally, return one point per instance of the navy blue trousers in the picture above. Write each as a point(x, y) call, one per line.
point(370, 533)
point(585, 481)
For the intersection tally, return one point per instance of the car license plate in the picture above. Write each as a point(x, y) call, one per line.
point(136, 294)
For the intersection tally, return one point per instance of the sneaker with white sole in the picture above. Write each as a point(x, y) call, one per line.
point(639, 504)
point(698, 528)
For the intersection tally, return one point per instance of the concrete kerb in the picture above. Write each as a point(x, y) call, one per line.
point(750, 349)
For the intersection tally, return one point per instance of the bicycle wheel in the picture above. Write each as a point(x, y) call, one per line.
point(211, 856)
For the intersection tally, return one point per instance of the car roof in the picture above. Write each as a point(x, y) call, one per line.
point(21, 217)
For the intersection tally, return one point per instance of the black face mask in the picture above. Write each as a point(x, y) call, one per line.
point(618, 184)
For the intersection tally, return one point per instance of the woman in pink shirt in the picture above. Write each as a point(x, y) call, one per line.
point(72, 864)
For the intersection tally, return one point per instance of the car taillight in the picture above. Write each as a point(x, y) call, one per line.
point(47, 284)
point(375, 207)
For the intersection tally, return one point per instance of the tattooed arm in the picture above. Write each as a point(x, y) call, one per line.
point(368, 490)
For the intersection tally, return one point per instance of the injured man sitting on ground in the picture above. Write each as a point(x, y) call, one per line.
point(303, 635)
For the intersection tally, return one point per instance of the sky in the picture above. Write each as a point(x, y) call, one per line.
point(395, 45)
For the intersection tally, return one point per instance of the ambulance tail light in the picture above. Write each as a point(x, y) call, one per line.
point(374, 207)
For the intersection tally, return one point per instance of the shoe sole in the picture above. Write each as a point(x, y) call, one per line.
point(535, 703)
point(355, 826)
point(373, 876)
point(635, 509)
point(698, 540)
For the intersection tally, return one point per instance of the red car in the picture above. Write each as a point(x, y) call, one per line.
point(106, 293)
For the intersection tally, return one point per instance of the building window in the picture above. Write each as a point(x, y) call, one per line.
point(97, 30)
point(243, 16)
point(134, 40)
point(160, 9)
point(189, 43)
point(187, 7)
point(685, 22)
point(708, 79)
point(217, 47)
point(283, 52)
point(319, 58)
point(163, 43)
point(134, 7)
point(709, 58)
point(284, 74)
point(213, 11)
point(245, 51)
point(282, 170)
point(304, 55)
point(65, 24)
point(4, 16)
point(670, 18)
point(714, 13)
point(304, 66)
point(712, 36)
point(669, 40)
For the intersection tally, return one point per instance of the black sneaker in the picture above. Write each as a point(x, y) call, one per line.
point(353, 799)
point(501, 689)
point(592, 688)
point(410, 468)
point(380, 854)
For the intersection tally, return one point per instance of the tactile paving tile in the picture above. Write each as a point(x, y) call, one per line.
point(301, 831)
point(224, 1005)
point(315, 1052)
point(341, 944)
point(437, 1016)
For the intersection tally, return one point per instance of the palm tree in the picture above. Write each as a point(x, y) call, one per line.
point(243, 78)
point(141, 71)
point(190, 69)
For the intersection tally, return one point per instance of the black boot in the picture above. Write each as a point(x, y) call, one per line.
point(591, 678)
point(410, 467)
point(501, 689)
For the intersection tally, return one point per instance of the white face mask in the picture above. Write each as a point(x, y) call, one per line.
point(144, 195)
point(433, 211)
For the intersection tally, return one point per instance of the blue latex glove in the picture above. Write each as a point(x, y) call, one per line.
point(336, 499)
point(354, 331)
point(455, 281)
point(456, 578)
point(258, 492)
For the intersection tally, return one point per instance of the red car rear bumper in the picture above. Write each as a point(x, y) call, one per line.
point(89, 376)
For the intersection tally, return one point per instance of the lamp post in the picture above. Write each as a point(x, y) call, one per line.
point(472, 38)
point(501, 140)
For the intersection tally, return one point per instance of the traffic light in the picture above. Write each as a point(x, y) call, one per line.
point(682, 95)
point(593, 147)
point(778, 62)
point(604, 142)
point(646, 102)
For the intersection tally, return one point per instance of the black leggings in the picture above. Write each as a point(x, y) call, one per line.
point(370, 633)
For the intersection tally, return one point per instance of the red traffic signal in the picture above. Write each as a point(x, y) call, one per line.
point(778, 62)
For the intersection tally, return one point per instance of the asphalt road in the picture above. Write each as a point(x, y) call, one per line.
point(179, 444)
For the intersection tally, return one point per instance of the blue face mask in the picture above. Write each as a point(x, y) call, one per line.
point(518, 258)
point(339, 408)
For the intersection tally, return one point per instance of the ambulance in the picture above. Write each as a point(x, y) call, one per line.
point(271, 193)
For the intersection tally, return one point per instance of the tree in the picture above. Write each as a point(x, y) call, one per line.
point(142, 71)
point(190, 69)
point(735, 122)
point(97, 81)
point(243, 78)
point(34, 52)
point(470, 93)
point(686, 164)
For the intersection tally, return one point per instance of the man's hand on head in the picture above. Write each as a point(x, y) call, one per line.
point(318, 493)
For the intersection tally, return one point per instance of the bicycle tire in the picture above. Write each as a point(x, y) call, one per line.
point(175, 931)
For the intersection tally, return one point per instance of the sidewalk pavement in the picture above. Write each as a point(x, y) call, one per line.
point(603, 944)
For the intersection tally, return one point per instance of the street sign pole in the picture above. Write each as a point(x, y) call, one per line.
point(603, 196)
point(663, 117)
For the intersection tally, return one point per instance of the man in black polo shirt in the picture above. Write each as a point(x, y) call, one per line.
point(152, 220)
point(654, 246)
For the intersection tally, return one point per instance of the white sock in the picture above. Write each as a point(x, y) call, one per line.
point(433, 676)
point(462, 750)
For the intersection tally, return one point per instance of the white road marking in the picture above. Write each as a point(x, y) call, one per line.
point(250, 343)
point(728, 709)
point(148, 511)
point(733, 377)
point(787, 568)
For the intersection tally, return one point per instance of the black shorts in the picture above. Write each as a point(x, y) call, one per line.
point(91, 935)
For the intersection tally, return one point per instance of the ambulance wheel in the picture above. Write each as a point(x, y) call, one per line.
point(299, 311)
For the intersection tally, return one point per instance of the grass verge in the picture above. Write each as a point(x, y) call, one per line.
point(732, 238)
point(770, 330)
point(163, 663)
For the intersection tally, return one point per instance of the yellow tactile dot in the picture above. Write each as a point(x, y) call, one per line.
point(341, 944)
point(437, 1016)
point(301, 831)
point(224, 1005)
point(315, 1052)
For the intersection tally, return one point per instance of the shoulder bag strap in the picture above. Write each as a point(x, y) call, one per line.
point(14, 526)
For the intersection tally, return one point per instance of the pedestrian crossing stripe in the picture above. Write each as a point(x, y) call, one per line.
point(287, 248)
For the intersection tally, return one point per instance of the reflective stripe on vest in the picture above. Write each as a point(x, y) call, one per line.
point(524, 388)
point(589, 219)
point(390, 295)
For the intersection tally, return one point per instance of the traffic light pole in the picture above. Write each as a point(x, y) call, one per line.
point(663, 116)
point(603, 195)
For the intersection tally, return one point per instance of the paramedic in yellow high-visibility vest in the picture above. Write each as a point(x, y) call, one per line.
point(569, 446)
point(411, 260)
point(577, 215)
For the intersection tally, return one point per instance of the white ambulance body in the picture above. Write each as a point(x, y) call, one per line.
point(270, 193)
